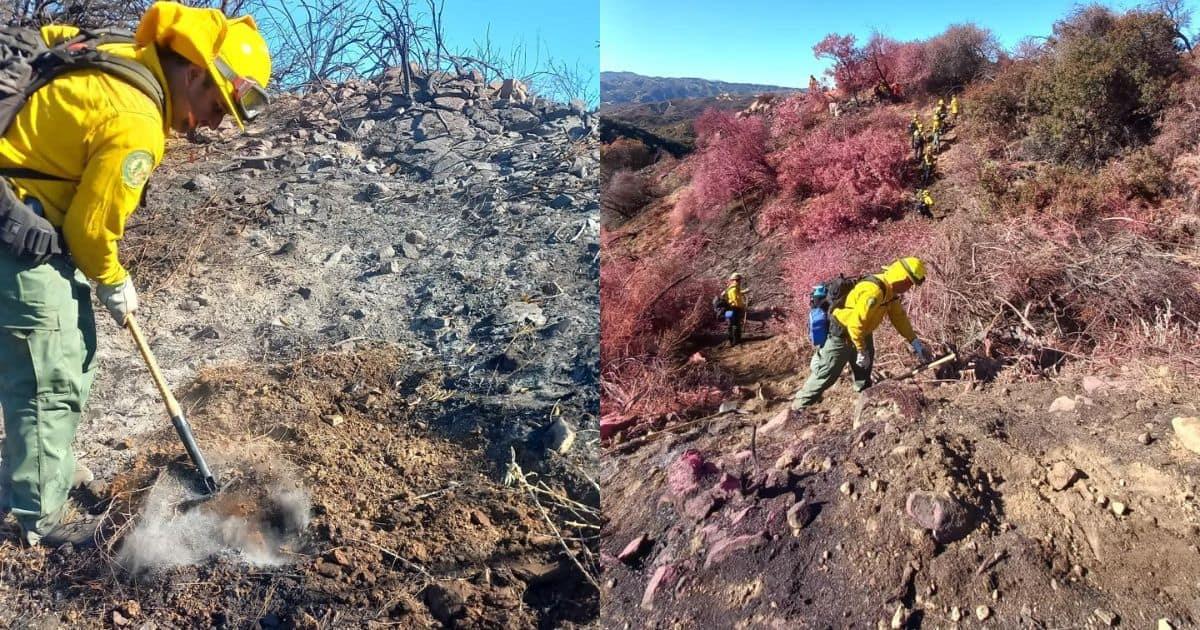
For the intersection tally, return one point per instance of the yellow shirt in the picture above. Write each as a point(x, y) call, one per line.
point(735, 297)
point(866, 305)
point(103, 134)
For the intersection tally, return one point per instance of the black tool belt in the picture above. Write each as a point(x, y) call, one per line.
point(24, 232)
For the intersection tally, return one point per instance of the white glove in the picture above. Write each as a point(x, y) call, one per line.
point(120, 299)
point(919, 348)
point(862, 361)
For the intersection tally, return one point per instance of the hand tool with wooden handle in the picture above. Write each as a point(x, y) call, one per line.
point(181, 424)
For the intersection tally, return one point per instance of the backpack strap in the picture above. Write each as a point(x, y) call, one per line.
point(81, 53)
point(873, 279)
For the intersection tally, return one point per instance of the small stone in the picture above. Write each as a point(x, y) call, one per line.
point(946, 518)
point(333, 420)
point(786, 460)
point(1165, 624)
point(727, 406)
point(118, 619)
point(633, 550)
point(1105, 617)
point(1143, 405)
point(1062, 403)
point(415, 237)
point(899, 618)
point(561, 201)
point(847, 488)
point(1145, 439)
point(983, 612)
point(800, 515)
point(479, 519)
point(337, 556)
point(132, 609)
point(1091, 384)
point(1187, 431)
point(1119, 508)
point(1101, 500)
point(199, 183)
point(955, 613)
point(1061, 475)
point(560, 437)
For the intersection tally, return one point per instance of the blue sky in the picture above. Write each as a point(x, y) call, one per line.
point(765, 41)
point(567, 29)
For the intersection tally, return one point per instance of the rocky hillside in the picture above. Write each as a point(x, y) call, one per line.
point(380, 313)
point(1045, 475)
point(630, 87)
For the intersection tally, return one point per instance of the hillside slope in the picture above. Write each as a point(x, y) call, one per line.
point(373, 311)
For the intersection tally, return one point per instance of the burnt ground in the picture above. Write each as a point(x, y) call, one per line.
point(1109, 538)
point(370, 308)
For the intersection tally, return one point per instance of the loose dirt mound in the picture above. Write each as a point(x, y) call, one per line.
point(919, 507)
point(409, 524)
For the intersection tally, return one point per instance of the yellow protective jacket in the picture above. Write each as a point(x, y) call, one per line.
point(867, 303)
point(735, 297)
point(954, 106)
point(104, 135)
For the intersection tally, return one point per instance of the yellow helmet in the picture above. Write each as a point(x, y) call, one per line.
point(735, 276)
point(914, 268)
point(941, 101)
point(232, 50)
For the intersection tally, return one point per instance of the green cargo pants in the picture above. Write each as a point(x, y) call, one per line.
point(827, 364)
point(47, 351)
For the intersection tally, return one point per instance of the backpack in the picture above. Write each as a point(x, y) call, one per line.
point(719, 304)
point(830, 295)
point(27, 64)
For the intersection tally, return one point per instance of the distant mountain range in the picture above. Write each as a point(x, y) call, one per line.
point(629, 87)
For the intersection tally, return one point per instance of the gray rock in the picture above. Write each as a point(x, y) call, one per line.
point(336, 257)
point(800, 515)
point(200, 183)
point(517, 119)
point(523, 313)
point(450, 103)
point(376, 191)
point(415, 237)
point(559, 437)
point(946, 518)
point(561, 201)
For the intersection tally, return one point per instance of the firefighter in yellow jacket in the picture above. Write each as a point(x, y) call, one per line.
point(852, 326)
point(734, 301)
point(100, 137)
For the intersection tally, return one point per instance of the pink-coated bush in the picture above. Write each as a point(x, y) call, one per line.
point(849, 173)
point(649, 309)
point(729, 163)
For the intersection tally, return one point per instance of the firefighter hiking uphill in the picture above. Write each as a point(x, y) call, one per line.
point(75, 157)
point(853, 309)
point(730, 306)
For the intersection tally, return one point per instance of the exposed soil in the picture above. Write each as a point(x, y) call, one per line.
point(1116, 545)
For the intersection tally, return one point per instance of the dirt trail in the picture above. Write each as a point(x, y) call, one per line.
point(1080, 518)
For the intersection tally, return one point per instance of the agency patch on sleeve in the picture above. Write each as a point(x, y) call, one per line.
point(136, 168)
